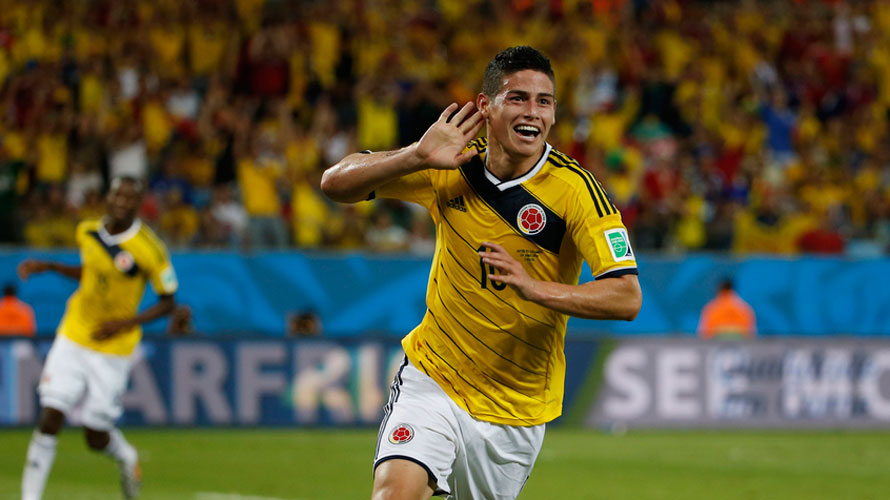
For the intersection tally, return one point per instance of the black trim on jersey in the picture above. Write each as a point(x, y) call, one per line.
point(470, 303)
point(563, 160)
point(113, 250)
point(508, 202)
point(456, 372)
point(618, 272)
point(433, 478)
point(596, 202)
point(475, 279)
point(395, 391)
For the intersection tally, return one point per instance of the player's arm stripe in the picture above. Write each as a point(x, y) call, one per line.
point(593, 197)
point(494, 351)
point(511, 306)
point(590, 179)
point(474, 278)
point(604, 196)
point(473, 362)
point(456, 372)
point(112, 251)
point(614, 273)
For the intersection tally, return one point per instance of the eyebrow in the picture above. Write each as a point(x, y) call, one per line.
point(526, 94)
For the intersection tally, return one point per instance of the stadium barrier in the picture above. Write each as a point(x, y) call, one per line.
point(610, 384)
point(231, 293)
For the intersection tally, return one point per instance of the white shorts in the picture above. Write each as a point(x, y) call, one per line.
point(73, 373)
point(468, 459)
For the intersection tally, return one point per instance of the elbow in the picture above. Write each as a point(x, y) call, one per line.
point(633, 302)
point(634, 307)
point(333, 188)
point(329, 185)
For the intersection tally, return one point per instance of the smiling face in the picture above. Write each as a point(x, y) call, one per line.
point(519, 116)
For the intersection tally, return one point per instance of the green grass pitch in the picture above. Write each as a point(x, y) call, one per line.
point(197, 464)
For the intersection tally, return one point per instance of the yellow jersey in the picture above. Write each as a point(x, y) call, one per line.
point(115, 269)
point(498, 356)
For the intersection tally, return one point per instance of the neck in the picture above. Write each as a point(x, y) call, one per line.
point(507, 167)
point(117, 227)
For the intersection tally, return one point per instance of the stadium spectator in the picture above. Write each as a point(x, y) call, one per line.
point(708, 97)
point(727, 315)
point(16, 316)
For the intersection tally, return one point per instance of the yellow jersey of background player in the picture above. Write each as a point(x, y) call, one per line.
point(115, 270)
point(499, 356)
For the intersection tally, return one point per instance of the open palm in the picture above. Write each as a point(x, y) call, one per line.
point(442, 145)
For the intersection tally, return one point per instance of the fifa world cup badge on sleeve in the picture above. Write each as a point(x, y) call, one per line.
point(619, 244)
point(401, 434)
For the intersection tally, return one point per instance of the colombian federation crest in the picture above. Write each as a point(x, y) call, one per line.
point(531, 219)
point(124, 261)
point(401, 434)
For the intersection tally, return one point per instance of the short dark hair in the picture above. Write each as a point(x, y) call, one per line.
point(726, 284)
point(510, 61)
point(9, 290)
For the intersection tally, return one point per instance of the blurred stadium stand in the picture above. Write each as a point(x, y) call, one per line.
point(756, 127)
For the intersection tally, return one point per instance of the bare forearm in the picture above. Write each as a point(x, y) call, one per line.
point(610, 298)
point(355, 176)
point(66, 270)
point(161, 308)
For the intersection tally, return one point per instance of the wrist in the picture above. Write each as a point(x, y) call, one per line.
point(413, 160)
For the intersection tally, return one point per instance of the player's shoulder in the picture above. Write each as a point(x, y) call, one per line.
point(565, 168)
point(87, 226)
point(147, 237)
point(581, 181)
point(91, 224)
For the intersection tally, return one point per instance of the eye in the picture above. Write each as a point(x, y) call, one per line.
point(544, 101)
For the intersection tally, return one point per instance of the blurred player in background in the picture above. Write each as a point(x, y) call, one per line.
point(485, 369)
point(91, 356)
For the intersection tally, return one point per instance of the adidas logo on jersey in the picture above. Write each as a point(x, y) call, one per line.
point(458, 203)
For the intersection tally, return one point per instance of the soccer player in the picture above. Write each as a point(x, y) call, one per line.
point(484, 371)
point(90, 358)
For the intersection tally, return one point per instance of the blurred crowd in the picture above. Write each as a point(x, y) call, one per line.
point(755, 127)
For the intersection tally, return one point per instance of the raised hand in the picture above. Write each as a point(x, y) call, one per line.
point(442, 145)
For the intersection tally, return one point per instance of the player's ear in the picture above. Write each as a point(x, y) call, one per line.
point(482, 103)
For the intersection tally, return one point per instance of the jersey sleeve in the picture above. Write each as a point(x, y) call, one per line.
point(416, 187)
point(162, 275)
point(602, 239)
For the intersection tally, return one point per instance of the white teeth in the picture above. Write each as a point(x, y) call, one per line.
point(528, 128)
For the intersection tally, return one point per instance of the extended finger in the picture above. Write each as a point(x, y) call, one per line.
point(473, 122)
point(493, 246)
point(447, 112)
point(463, 113)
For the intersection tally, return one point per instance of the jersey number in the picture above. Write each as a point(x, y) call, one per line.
point(483, 280)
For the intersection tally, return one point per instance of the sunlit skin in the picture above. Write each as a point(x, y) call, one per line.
point(526, 98)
